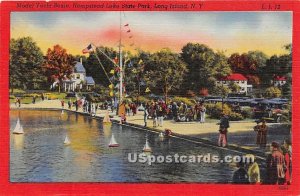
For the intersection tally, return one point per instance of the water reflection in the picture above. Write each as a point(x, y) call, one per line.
point(41, 156)
point(106, 130)
point(18, 141)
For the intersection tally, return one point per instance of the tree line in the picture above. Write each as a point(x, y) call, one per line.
point(193, 71)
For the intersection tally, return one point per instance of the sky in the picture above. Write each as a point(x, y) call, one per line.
point(151, 31)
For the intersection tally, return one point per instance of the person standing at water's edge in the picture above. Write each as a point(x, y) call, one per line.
point(19, 102)
point(160, 114)
point(275, 165)
point(202, 114)
point(62, 104)
point(146, 114)
point(122, 112)
point(69, 104)
point(223, 129)
point(261, 137)
point(287, 153)
point(76, 105)
point(33, 99)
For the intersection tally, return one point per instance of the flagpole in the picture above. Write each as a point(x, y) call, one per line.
point(121, 63)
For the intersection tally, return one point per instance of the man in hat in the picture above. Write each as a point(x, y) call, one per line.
point(275, 165)
point(223, 129)
point(261, 137)
point(287, 153)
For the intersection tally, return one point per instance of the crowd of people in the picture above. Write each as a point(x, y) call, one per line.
point(179, 112)
point(87, 106)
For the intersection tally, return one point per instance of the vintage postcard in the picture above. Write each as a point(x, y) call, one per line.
point(108, 95)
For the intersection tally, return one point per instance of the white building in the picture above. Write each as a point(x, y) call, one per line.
point(238, 79)
point(279, 81)
point(78, 79)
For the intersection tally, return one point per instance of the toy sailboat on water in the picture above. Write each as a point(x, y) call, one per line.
point(147, 148)
point(67, 141)
point(62, 112)
point(161, 135)
point(113, 142)
point(18, 129)
point(106, 119)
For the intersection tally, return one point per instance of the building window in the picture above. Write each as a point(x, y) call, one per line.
point(77, 76)
point(242, 89)
point(243, 82)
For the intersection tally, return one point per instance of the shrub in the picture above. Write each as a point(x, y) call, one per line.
point(50, 96)
point(32, 95)
point(233, 116)
point(272, 92)
point(247, 113)
point(215, 110)
point(185, 100)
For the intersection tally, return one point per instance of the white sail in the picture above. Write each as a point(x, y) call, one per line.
point(18, 129)
point(147, 148)
point(67, 141)
point(161, 135)
point(106, 118)
point(62, 111)
point(112, 140)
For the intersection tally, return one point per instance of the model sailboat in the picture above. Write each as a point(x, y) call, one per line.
point(113, 142)
point(18, 129)
point(106, 119)
point(161, 135)
point(147, 148)
point(67, 141)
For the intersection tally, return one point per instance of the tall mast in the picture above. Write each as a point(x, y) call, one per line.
point(121, 63)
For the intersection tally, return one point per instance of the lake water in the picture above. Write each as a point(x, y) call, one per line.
point(39, 155)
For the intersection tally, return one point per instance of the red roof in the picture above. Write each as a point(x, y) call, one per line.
point(280, 78)
point(235, 77)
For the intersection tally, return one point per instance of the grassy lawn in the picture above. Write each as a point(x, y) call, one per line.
point(27, 98)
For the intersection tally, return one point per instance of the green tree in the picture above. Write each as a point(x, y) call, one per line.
point(58, 64)
point(270, 71)
point(200, 60)
point(222, 90)
point(286, 61)
point(93, 67)
point(134, 72)
point(272, 92)
point(204, 66)
point(165, 71)
point(25, 66)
